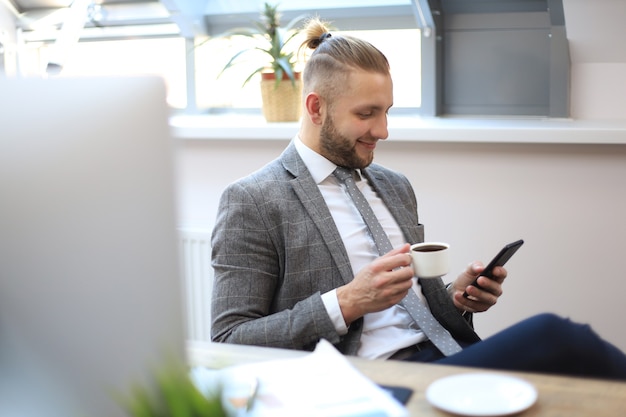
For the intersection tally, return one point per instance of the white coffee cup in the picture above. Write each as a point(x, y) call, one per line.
point(430, 259)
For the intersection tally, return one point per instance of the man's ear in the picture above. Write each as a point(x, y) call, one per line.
point(313, 105)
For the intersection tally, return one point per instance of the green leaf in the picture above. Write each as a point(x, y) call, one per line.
point(172, 393)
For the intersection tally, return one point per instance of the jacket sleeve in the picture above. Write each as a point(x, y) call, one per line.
point(253, 301)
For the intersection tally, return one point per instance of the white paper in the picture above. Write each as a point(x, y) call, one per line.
point(321, 384)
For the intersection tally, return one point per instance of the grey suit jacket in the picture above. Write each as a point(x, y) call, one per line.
point(276, 249)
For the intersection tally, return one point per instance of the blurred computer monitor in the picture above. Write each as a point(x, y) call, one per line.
point(90, 289)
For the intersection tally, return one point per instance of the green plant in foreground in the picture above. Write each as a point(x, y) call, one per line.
point(172, 394)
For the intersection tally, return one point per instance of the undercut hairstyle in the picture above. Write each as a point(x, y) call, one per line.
point(334, 57)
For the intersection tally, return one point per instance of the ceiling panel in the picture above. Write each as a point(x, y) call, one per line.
point(26, 5)
point(29, 5)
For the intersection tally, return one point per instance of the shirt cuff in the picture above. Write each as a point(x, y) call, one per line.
point(451, 290)
point(331, 303)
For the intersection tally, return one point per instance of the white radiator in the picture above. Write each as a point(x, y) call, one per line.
point(195, 246)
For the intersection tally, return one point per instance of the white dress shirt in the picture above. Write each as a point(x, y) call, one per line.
point(384, 332)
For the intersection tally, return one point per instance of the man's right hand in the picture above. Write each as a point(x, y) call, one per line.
point(380, 285)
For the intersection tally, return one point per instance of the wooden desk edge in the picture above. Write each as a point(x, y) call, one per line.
point(558, 395)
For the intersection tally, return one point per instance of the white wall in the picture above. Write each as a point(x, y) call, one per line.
point(598, 90)
point(596, 34)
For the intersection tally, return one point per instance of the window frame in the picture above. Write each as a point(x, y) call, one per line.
point(427, 15)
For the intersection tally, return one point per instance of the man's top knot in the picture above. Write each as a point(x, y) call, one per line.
point(315, 42)
point(325, 36)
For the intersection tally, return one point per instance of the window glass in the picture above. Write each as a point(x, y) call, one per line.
point(215, 90)
point(1, 58)
point(157, 56)
point(402, 47)
point(167, 57)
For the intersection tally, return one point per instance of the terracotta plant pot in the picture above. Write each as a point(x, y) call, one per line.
point(282, 102)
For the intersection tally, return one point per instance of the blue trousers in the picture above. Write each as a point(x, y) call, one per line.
point(544, 343)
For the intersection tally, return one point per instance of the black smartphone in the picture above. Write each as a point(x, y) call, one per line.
point(402, 394)
point(500, 259)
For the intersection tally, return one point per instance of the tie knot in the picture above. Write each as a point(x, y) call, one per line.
point(342, 174)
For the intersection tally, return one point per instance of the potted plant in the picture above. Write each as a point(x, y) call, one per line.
point(281, 86)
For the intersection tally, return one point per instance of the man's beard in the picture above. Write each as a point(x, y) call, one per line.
point(339, 149)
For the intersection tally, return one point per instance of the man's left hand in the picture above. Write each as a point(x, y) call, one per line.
point(479, 299)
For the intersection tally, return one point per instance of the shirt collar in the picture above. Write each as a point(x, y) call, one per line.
point(319, 167)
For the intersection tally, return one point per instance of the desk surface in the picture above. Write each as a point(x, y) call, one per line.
point(558, 396)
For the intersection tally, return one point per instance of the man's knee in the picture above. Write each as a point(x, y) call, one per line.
point(552, 326)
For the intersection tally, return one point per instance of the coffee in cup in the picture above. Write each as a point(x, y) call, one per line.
point(430, 259)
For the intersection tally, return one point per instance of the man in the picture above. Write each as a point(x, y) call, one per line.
point(296, 262)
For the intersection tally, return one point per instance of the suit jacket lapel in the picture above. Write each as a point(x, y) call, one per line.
point(309, 194)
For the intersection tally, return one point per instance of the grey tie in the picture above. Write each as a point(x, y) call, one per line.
point(420, 313)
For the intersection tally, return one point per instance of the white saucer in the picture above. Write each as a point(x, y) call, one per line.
point(481, 394)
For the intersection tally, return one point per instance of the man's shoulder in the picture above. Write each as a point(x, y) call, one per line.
point(272, 171)
point(272, 177)
point(282, 169)
point(389, 173)
point(381, 168)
